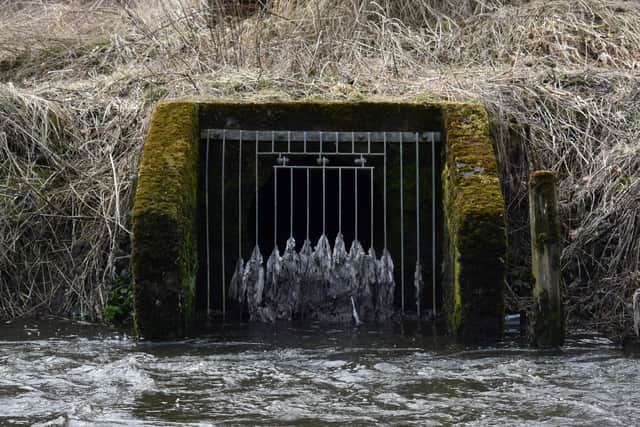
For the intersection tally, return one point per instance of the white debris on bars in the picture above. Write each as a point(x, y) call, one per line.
point(316, 284)
point(418, 283)
point(253, 284)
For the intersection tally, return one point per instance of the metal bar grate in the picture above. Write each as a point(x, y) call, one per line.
point(285, 149)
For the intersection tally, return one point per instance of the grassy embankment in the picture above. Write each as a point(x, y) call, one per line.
point(78, 80)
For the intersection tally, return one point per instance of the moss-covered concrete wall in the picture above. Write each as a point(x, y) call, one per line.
point(164, 222)
point(474, 224)
point(165, 214)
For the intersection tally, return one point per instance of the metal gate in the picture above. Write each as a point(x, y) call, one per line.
point(244, 157)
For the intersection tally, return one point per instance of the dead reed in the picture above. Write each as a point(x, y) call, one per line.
point(79, 79)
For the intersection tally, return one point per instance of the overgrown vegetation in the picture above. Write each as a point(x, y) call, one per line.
point(78, 80)
point(118, 310)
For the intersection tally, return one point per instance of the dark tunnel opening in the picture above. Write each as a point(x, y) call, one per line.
point(293, 222)
point(239, 225)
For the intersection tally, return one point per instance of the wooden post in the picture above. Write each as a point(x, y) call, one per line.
point(546, 328)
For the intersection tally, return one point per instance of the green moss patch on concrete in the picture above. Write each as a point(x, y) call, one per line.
point(164, 222)
point(474, 225)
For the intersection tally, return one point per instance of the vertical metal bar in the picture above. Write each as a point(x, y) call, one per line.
point(324, 196)
point(368, 142)
point(433, 223)
point(257, 179)
point(356, 199)
point(240, 197)
point(353, 143)
point(275, 206)
point(206, 201)
point(417, 200)
point(307, 202)
point(324, 190)
point(289, 141)
point(224, 284)
point(418, 218)
point(401, 227)
point(340, 201)
point(371, 200)
point(337, 140)
point(304, 142)
point(291, 202)
point(273, 142)
point(384, 190)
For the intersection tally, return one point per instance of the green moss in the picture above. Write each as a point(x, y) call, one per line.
point(119, 308)
point(455, 314)
point(164, 223)
point(429, 97)
point(475, 227)
point(542, 177)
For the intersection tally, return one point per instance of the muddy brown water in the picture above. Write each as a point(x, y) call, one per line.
point(56, 372)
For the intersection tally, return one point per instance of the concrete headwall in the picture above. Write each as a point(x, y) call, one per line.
point(476, 240)
point(164, 261)
point(165, 219)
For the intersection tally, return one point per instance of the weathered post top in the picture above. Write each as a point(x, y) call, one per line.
point(547, 320)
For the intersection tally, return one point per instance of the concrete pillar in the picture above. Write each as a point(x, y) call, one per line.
point(475, 239)
point(546, 327)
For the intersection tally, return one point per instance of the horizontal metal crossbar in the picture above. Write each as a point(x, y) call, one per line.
point(325, 167)
point(320, 153)
point(317, 136)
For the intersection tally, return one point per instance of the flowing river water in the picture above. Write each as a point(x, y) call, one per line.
point(55, 372)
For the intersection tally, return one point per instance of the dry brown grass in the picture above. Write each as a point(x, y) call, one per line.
point(560, 77)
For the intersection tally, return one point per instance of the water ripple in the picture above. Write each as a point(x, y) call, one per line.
point(308, 376)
